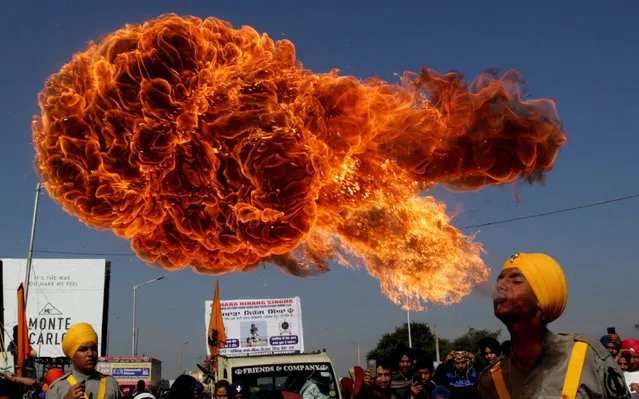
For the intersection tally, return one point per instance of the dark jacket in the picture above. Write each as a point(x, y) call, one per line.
point(461, 385)
point(425, 393)
point(401, 384)
point(374, 392)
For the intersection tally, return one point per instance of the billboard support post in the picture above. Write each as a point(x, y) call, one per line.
point(27, 277)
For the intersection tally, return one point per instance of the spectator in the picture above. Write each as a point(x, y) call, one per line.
point(612, 344)
point(380, 386)
point(423, 384)
point(402, 377)
point(532, 292)
point(237, 390)
point(346, 387)
point(441, 392)
point(458, 374)
point(622, 360)
point(139, 387)
point(490, 350)
point(221, 389)
point(141, 392)
point(630, 350)
point(184, 387)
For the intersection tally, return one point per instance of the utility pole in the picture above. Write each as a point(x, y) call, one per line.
point(437, 345)
point(31, 241)
point(410, 338)
point(135, 288)
point(180, 371)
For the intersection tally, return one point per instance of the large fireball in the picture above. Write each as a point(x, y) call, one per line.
point(213, 147)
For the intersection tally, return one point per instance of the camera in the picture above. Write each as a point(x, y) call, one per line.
point(371, 366)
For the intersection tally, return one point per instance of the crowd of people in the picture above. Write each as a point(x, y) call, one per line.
point(531, 292)
point(411, 374)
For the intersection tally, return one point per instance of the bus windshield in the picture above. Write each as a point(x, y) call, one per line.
point(287, 381)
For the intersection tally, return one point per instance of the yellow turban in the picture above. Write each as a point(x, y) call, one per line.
point(77, 335)
point(546, 279)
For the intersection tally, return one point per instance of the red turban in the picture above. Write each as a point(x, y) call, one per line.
point(53, 374)
point(630, 344)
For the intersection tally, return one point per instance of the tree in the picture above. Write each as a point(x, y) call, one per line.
point(424, 340)
point(469, 341)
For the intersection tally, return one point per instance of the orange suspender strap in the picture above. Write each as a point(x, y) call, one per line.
point(101, 394)
point(72, 381)
point(498, 379)
point(573, 374)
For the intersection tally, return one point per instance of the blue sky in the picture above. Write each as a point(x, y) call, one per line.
point(581, 54)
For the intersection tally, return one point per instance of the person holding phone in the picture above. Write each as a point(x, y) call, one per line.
point(423, 384)
point(378, 386)
point(612, 342)
point(80, 344)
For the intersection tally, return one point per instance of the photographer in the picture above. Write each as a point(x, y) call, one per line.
point(379, 385)
point(423, 384)
point(458, 374)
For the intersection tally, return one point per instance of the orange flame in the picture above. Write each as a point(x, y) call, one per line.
point(213, 147)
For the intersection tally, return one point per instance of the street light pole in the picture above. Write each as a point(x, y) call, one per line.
point(358, 353)
point(180, 357)
point(135, 288)
point(410, 338)
point(437, 344)
point(31, 240)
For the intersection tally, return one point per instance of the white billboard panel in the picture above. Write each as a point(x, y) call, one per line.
point(260, 326)
point(62, 292)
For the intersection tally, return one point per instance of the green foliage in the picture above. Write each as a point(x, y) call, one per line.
point(422, 337)
point(424, 340)
point(469, 341)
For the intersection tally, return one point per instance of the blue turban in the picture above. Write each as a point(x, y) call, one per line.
point(605, 341)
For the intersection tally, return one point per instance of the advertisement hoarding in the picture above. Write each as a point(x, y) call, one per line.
point(129, 370)
point(260, 326)
point(62, 292)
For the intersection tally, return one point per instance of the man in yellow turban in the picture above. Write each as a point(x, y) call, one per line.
point(80, 344)
point(532, 292)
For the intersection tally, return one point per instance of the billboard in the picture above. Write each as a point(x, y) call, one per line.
point(128, 371)
point(260, 326)
point(62, 292)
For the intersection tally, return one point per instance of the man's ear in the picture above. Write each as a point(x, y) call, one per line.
point(541, 314)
